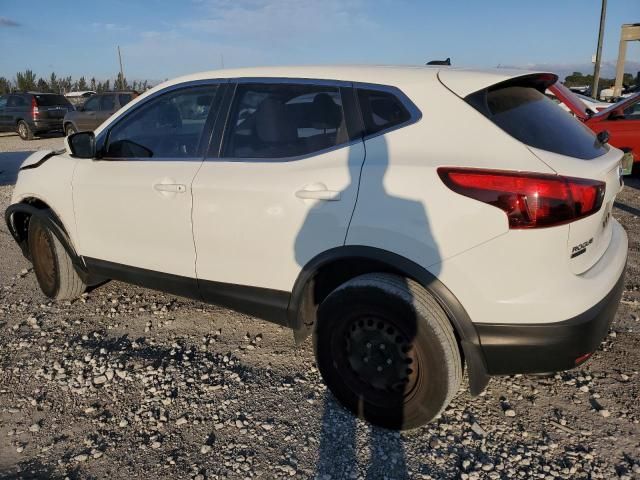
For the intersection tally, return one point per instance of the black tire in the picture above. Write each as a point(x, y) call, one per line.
point(24, 130)
point(387, 351)
point(70, 129)
point(52, 264)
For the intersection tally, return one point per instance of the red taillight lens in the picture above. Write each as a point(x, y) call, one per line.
point(529, 200)
point(34, 107)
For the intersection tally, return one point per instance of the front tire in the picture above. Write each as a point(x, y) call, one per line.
point(24, 130)
point(387, 351)
point(52, 264)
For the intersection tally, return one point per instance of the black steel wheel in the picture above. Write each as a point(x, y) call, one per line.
point(387, 351)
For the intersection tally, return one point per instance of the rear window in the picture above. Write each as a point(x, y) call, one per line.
point(529, 116)
point(51, 100)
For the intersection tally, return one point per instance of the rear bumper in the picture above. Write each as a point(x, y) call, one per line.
point(548, 347)
point(47, 124)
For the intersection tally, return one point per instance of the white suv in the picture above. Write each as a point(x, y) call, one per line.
point(414, 219)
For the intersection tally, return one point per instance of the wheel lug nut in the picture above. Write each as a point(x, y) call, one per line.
point(368, 344)
point(389, 361)
point(366, 359)
point(379, 369)
point(382, 346)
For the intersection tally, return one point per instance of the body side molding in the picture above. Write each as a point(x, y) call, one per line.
point(268, 304)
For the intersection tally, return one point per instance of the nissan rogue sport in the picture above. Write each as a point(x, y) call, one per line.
point(416, 221)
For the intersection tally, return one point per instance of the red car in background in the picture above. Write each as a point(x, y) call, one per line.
point(621, 120)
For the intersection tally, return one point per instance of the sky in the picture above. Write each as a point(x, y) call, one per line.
point(162, 39)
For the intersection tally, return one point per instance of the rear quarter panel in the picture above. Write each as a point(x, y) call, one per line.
point(404, 207)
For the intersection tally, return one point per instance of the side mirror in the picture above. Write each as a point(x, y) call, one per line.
point(82, 144)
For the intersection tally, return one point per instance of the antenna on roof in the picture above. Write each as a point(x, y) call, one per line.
point(446, 62)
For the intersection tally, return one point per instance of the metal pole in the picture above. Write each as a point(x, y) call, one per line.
point(122, 72)
point(596, 71)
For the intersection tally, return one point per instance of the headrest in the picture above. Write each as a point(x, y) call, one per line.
point(325, 112)
point(168, 116)
point(273, 123)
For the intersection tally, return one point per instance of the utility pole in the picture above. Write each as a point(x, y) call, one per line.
point(122, 72)
point(596, 70)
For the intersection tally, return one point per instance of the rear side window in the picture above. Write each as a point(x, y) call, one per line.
point(529, 116)
point(108, 102)
point(93, 104)
point(284, 120)
point(124, 98)
point(381, 110)
point(51, 100)
point(17, 101)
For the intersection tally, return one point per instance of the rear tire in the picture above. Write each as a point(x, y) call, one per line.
point(24, 130)
point(387, 351)
point(70, 129)
point(52, 264)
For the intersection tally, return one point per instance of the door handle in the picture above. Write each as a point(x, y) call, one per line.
point(327, 195)
point(170, 187)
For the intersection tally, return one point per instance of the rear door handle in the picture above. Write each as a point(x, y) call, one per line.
point(327, 195)
point(170, 187)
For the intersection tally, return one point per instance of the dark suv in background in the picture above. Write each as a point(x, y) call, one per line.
point(96, 110)
point(32, 113)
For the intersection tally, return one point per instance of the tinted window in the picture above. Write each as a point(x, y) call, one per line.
point(108, 102)
point(3, 102)
point(632, 112)
point(381, 110)
point(124, 98)
point(17, 101)
point(284, 120)
point(169, 126)
point(51, 100)
point(529, 116)
point(93, 104)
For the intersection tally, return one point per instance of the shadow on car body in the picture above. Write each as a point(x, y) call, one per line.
point(394, 384)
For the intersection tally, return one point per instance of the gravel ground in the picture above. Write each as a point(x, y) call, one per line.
point(131, 383)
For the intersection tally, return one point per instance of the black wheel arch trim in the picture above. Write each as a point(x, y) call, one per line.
point(462, 324)
point(51, 220)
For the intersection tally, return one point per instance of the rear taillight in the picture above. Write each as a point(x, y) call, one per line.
point(530, 200)
point(34, 108)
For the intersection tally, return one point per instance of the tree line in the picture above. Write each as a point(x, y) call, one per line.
point(28, 81)
point(577, 79)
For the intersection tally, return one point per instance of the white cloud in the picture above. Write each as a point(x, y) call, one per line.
point(110, 27)
point(247, 21)
point(164, 55)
